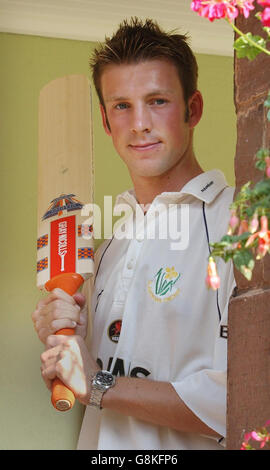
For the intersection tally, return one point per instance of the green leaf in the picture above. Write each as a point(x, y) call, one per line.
point(260, 165)
point(246, 272)
point(267, 104)
point(260, 158)
point(262, 188)
point(245, 49)
point(244, 262)
point(230, 239)
point(262, 153)
point(267, 101)
point(266, 29)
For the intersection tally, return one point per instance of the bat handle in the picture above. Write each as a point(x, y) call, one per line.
point(62, 397)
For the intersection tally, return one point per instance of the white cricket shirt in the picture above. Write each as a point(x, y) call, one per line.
point(154, 317)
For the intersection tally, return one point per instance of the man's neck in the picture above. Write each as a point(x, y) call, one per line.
point(147, 188)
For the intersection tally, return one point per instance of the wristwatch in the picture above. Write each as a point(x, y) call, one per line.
point(100, 383)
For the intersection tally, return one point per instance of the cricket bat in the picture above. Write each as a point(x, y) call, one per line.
point(65, 247)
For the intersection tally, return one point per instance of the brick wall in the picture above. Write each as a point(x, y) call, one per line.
point(249, 311)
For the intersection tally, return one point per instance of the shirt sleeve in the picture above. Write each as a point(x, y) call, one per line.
point(205, 391)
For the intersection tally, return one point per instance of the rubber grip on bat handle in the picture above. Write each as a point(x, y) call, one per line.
point(62, 397)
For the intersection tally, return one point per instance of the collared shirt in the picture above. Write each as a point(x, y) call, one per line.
point(154, 317)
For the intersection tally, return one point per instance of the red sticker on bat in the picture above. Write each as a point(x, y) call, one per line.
point(63, 255)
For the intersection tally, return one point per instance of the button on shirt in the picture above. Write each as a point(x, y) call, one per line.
point(154, 318)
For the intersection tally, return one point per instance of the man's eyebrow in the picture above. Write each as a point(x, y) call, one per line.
point(115, 98)
point(160, 91)
point(156, 92)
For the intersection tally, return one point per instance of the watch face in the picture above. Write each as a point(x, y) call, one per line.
point(105, 379)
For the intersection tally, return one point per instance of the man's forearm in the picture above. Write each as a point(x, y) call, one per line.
point(154, 402)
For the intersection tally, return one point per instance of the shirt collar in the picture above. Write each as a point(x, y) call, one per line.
point(205, 187)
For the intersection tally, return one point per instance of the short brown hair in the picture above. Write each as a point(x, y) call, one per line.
point(138, 41)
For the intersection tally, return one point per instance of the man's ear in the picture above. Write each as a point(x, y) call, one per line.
point(195, 107)
point(105, 122)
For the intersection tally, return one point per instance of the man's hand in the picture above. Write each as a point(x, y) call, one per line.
point(68, 358)
point(59, 310)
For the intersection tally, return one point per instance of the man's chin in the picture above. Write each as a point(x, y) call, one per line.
point(149, 172)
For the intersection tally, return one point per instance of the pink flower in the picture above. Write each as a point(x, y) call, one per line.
point(243, 227)
point(264, 441)
point(245, 6)
point(263, 238)
point(212, 280)
point(264, 3)
point(262, 248)
point(247, 436)
point(255, 436)
point(215, 9)
point(233, 222)
point(245, 444)
point(265, 17)
point(262, 435)
point(263, 438)
point(254, 223)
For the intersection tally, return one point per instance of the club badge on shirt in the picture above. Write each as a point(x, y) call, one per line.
point(163, 286)
point(114, 330)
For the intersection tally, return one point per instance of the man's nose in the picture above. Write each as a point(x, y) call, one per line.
point(141, 120)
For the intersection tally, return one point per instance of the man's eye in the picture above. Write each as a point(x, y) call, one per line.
point(121, 106)
point(159, 101)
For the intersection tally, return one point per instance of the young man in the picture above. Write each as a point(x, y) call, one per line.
point(157, 330)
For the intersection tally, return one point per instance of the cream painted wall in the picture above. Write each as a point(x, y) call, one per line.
point(28, 421)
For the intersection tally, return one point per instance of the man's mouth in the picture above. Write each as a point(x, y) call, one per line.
point(144, 146)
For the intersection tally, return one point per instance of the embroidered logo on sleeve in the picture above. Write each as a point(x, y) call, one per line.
point(162, 288)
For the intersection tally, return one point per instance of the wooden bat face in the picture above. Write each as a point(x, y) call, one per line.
point(65, 179)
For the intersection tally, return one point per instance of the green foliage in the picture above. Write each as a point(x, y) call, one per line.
point(247, 46)
point(261, 155)
point(251, 201)
point(243, 260)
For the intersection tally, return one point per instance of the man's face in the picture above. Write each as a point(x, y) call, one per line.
point(146, 112)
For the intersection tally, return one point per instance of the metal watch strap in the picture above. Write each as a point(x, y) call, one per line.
point(95, 397)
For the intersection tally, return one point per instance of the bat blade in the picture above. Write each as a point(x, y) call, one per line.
point(65, 247)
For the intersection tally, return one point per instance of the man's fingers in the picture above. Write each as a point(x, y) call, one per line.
point(56, 340)
point(49, 374)
point(56, 310)
point(49, 359)
point(56, 358)
point(62, 323)
point(59, 310)
point(80, 299)
point(42, 334)
point(52, 348)
point(45, 328)
point(60, 294)
point(55, 294)
point(47, 381)
point(56, 303)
